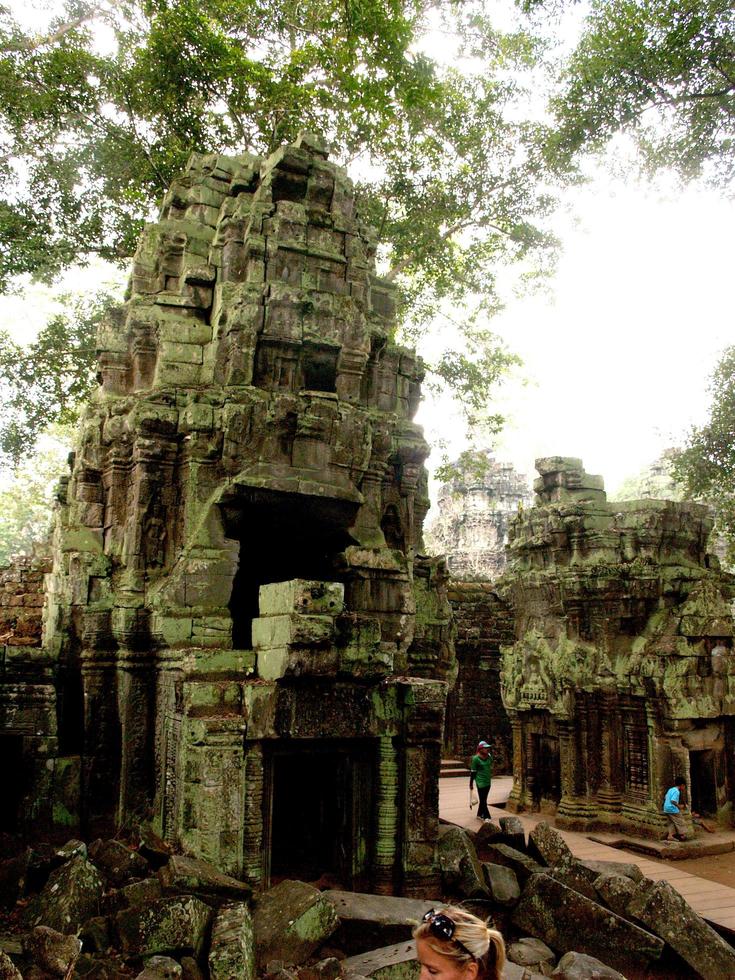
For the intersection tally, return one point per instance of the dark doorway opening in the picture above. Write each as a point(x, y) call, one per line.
point(14, 782)
point(283, 536)
point(546, 770)
point(70, 710)
point(319, 812)
point(702, 768)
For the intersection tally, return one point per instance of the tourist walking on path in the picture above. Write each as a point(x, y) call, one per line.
point(673, 808)
point(452, 944)
point(481, 774)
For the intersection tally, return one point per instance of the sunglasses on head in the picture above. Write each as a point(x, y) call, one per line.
point(441, 926)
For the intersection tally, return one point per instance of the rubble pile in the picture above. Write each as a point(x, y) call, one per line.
point(110, 909)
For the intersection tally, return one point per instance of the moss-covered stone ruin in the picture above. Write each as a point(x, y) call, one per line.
point(622, 673)
point(245, 648)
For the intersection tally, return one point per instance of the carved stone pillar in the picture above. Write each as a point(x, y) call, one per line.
point(253, 817)
point(387, 817)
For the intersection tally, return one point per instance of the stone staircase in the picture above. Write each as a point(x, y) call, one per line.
point(453, 767)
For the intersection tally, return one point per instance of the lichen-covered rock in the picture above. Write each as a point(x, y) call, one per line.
point(72, 894)
point(161, 968)
point(565, 920)
point(196, 877)
point(530, 951)
point(461, 869)
point(663, 910)
point(489, 833)
point(170, 925)
point(547, 846)
point(141, 892)
point(8, 969)
point(616, 891)
point(625, 868)
point(580, 966)
point(503, 884)
point(573, 877)
point(118, 862)
point(514, 834)
point(523, 865)
point(396, 962)
point(291, 920)
point(51, 951)
point(232, 947)
point(365, 920)
point(327, 969)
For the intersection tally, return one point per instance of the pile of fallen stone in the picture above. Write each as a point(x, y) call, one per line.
point(606, 910)
point(108, 911)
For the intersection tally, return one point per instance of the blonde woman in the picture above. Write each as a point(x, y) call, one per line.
point(452, 944)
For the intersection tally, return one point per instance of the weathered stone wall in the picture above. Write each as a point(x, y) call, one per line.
point(475, 709)
point(622, 672)
point(21, 601)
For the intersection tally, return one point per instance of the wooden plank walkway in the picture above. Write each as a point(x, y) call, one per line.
point(714, 902)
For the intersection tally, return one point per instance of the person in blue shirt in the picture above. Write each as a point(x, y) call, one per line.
point(673, 808)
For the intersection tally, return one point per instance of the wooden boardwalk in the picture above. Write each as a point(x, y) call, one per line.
point(714, 902)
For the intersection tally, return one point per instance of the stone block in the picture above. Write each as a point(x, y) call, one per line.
point(51, 951)
point(460, 868)
point(396, 962)
point(513, 833)
point(170, 925)
point(308, 598)
point(663, 910)
point(72, 894)
point(192, 876)
point(117, 862)
point(366, 920)
point(565, 920)
point(291, 920)
point(160, 968)
point(625, 868)
point(503, 884)
point(232, 946)
point(547, 846)
point(580, 966)
point(292, 630)
point(530, 951)
point(523, 865)
point(616, 891)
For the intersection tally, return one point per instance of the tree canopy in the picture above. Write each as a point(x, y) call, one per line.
point(101, 110)
point(662, 71)
point(93, 135)
point(706, 464)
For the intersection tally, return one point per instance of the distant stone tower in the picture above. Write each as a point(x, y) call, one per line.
point(248, 652)
point(475, 509)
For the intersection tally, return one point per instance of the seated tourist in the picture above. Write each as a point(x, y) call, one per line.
point(452, 944)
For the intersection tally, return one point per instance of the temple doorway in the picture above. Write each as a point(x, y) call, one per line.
point(546, 770)
point(319, 812)
point(14, 779)
point(703, 773)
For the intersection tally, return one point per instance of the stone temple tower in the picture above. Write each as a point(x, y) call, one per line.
point(249, 654)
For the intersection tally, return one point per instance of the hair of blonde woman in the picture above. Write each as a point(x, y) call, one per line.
point(473, 940)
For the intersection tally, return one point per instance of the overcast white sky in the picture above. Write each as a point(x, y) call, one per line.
point(617, 359)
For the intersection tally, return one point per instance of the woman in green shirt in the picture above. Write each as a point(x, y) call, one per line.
point(481, 774)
